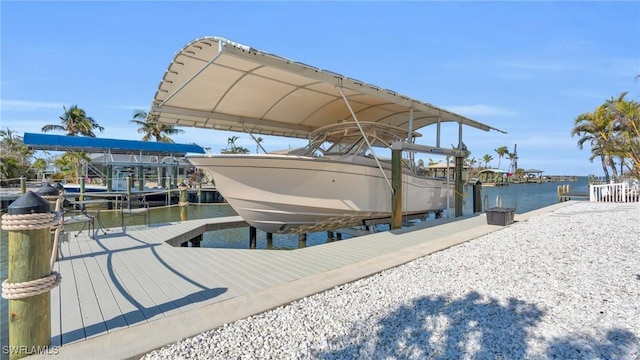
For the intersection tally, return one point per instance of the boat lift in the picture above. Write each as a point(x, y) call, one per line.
point(257, 92)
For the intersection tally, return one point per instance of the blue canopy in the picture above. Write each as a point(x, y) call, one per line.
point(114, 146)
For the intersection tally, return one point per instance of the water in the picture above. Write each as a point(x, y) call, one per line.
point(522, 197)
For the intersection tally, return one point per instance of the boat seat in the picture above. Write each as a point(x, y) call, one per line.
point(135, 205)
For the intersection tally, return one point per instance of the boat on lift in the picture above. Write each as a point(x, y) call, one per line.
point(333, 182)
point(338, 179)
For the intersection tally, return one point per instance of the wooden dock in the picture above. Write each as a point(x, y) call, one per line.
point(119, 282)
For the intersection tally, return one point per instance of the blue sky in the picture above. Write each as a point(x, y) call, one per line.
point(528, 68)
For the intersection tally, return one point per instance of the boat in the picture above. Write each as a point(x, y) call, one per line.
point(333, 182)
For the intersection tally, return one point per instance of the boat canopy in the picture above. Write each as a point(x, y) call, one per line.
point(113, 146)
point(219, 84)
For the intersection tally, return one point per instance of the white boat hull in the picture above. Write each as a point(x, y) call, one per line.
point(293, 194)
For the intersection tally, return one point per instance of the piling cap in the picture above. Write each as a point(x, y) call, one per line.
point(48, 190)
point(29, 203)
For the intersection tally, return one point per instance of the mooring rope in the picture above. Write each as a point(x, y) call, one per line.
point(21, 222)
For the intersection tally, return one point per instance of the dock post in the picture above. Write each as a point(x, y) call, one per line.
point(396, 184)
point(109, 178)
point(23, 184)
point(253, 234)
point(458, 186)
point(330, 235)
point(175, 176)
point(199, 192)
point(82, 188)
point(559, 193)
point(477, 197)
point(183, 203)
point(302, 240)
point(184, 244)
point(30, 279)
point(128, 192)
point(195, 242)
point(269, 240)
point(140, 178)
point(338, 236)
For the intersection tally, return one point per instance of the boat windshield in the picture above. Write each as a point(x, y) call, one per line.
point(346, 139)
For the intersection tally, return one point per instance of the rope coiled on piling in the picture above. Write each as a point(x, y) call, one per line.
point(21, 222)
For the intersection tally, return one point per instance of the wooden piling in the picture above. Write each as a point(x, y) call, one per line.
point(29, 255)
point(253, 234)
point(82, 183)
point(23, 184)
point(477, 197)
point(140, 178)
point(109, 178)
point(459, 160)
point(396, 184)
point(302, 240)
point(195, 242)
point(183, 203)
point(269, 241)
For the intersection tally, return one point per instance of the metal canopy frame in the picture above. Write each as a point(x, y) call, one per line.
point(219, 84)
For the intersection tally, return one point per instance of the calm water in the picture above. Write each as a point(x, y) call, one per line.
point(522, 197)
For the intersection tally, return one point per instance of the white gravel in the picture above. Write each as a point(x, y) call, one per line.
point(564, 285)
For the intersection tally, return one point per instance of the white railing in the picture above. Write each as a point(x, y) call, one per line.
point(621, 192)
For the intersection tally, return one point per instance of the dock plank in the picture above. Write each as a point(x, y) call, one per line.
point(109, 307)
point(92, 319)
point(126, 278)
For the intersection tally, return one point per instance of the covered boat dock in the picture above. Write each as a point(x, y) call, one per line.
point(109, 154)
point(214, 83)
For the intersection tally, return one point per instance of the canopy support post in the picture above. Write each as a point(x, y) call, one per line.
point(375, 157)
point(459, 165)
point(253, 137)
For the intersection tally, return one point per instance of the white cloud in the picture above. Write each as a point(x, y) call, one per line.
point(480, 110)
point(25, 105)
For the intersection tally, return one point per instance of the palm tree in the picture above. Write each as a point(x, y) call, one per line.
point(232, 148)
point(487, 159)
point(501, 151)
point(70, 164)
point(40, 165)
point(75, 122)
point(625, 126)
point(594, 128)
point(15, 156)
point(152, 129)
point(258, 142)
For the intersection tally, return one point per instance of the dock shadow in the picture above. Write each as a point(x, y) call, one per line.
point(140, 315)
point(475, 326)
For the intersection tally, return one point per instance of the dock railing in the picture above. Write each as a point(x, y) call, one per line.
point(619, 192)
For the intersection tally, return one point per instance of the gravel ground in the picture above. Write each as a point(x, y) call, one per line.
point(564, 285)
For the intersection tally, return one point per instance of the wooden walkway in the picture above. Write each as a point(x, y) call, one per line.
point(122, 279)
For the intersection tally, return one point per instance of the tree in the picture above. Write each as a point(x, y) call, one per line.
point(15, 157)
point(40, 165)
point(626, 128)
point(487, 159)
point(259, 140)
point(75, 122)
point(501, 151)
point(232, 148)
point(152, 129)
point(595, 128)
point(70, 164)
